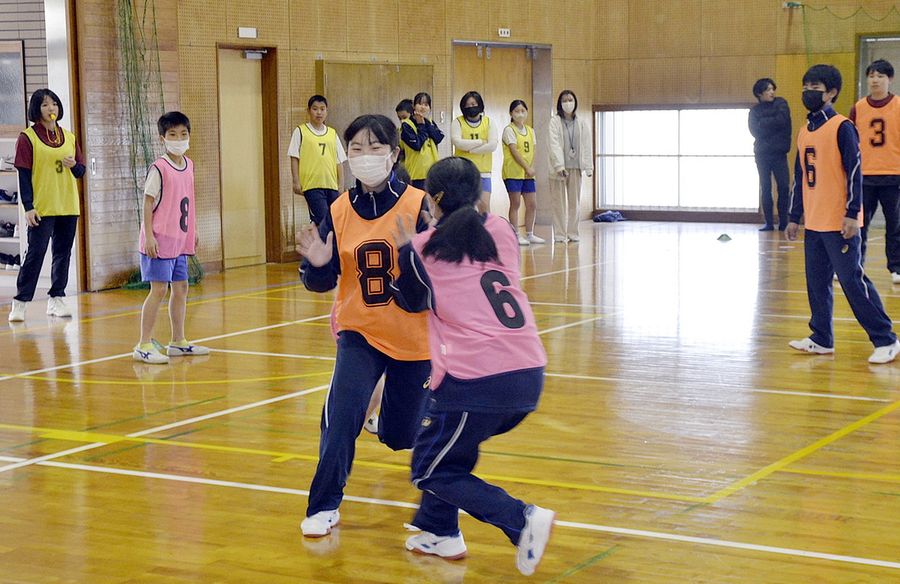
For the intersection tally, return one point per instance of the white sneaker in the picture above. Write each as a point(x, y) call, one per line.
point(320, 524)
point(532, 238)
point(523, 241)
point(449, 547)
point(56, 306)
point(895, 278)
point(574, 238)
point(371, 425)
point(17, 311)
point(560, 239)
point(534, 538)
point(808, 346)
point(186, 350)
point(148, 353)
point(885, 354)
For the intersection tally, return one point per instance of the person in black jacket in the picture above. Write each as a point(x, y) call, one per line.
point(770, 124)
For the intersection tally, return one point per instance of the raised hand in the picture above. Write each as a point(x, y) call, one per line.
point(310, 245)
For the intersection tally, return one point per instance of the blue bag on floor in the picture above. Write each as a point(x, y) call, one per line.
point(608, 217)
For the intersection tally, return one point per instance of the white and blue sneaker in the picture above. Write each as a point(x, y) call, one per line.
point(185, 349)
point(448, 547)
point(149, 353)
point(320, 524)
point(534, 538)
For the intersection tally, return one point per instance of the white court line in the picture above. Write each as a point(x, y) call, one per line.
point(639, 533)
point(719, 386)
point(571, 324)
point(264, 354)
point(121, 355)
point(47, 457)
point(581, 267)
point(731, 544)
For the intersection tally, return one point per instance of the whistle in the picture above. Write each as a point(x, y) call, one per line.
point(53, 117)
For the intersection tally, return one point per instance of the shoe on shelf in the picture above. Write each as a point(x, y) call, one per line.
point(523, 241)
point(17, 311)
point(448, 547)
point(532, 238)
point(185, 349)
point(320, 524)
point(149, 353)
point(808, 346)
point(767, 227)
point(895, 278)
point(56, 306)
point(885, 354)
point(534, 538)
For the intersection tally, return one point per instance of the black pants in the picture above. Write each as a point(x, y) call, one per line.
point(61, 229)
point(767, 166)
point(889, 197)
point(318, 201)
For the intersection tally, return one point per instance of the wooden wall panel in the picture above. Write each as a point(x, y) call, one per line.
point(318, 25)
point(610, 82)
point(663, 28)
point(268, 17)
point(611, 31)
point(656, 81)
point(373, 27)
point(426, 22)
point(207, 22)
point(731, 79)
point(733, 28)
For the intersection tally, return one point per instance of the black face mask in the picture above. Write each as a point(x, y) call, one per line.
point(471, 112)
point(812, 99)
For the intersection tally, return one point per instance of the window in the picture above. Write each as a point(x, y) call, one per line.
point(678, 159)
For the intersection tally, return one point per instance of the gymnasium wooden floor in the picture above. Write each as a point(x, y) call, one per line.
point(679, 438)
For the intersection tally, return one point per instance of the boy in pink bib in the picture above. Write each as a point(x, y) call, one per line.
point(168, 237)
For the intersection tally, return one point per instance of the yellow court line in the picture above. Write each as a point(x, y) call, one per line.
point(800, 454)
point(862, 476)
point(93, 437)
point(164, 381)
point(290, 299)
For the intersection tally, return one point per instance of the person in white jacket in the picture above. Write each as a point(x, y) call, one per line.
point(474, 137)
point(571, 153)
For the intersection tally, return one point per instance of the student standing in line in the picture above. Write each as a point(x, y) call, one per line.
point(474, 137)
point(518, 170)
point(317, 156)
point(877, 118)
point(828, 194)
point(420, 136)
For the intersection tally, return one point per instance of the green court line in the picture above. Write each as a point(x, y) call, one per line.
point(585, 564)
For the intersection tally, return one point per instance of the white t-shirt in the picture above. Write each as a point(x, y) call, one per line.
point(294, 148)
point(153, 184)
point(509, 134)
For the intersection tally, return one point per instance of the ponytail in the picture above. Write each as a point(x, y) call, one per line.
point(462, 235)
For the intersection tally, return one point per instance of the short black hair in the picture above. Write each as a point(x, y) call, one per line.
point(170, 120)
point(827, 75)
point(465, 98)
point(405, 105)
point(381, 127)
point(314, 99)
point(559, 109)
point(37, 99)
point(516, 103)
point(422, 97)
point(881, 66)
point(762, 85)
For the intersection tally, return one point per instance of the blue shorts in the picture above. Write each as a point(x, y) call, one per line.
point(164, 270)
point(486, 184)
point(525, 186)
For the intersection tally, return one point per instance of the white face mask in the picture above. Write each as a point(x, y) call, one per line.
point(520, 116)
point(568, 106)
point(371, 169)
point(177, 147)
